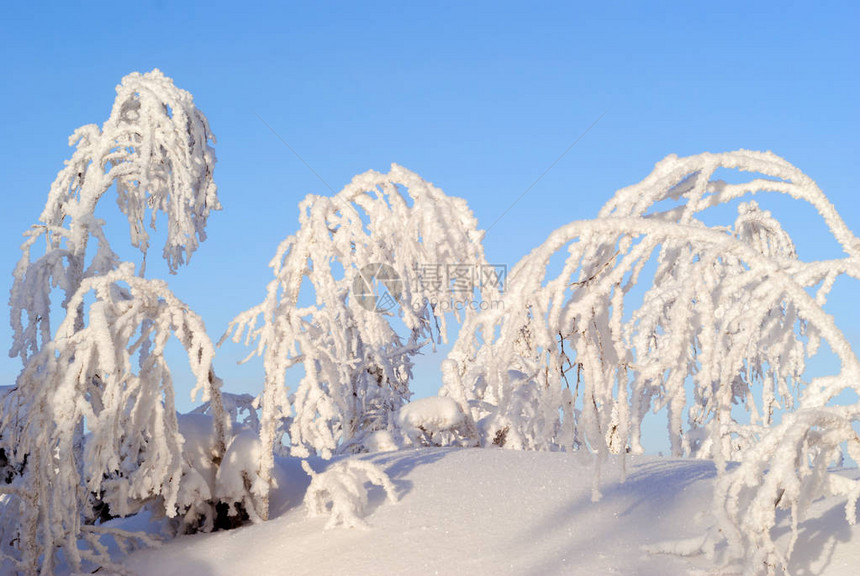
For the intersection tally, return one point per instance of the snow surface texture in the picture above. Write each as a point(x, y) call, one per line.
point(496, 512)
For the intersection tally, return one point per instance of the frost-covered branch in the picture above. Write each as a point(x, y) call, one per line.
point(155, 150)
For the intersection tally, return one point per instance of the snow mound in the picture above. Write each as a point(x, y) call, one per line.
point(497, 512)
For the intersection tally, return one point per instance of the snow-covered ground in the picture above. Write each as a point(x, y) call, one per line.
point(472, 511)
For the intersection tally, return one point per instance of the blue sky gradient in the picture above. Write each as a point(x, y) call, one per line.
point(479, 98)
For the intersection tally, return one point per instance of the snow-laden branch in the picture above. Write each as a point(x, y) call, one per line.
point(690, 181)
point(155, 150)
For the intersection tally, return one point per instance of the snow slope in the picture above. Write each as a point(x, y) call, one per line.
point(493, 512)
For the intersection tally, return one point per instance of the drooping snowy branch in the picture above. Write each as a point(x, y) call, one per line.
point(691, 184)
point(376, 243)
point(155, 150)
point(109, 378)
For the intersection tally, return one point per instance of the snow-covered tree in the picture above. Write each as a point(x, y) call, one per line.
point(654, 309)
point(90, 427)
point(391, 233)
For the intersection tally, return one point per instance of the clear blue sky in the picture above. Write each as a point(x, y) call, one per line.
point(479, 98)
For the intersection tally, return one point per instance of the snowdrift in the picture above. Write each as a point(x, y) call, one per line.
point(493, 512)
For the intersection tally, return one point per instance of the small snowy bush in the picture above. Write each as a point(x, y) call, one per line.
point(341, 491)
point(238, 484)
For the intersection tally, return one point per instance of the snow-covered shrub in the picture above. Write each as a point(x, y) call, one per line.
point(392, 229)
point(728, 316)
point(200, 454)
point(238, 475)
point(435, 421)
point(219, 481)
point(341, 491)
point(238, 484)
